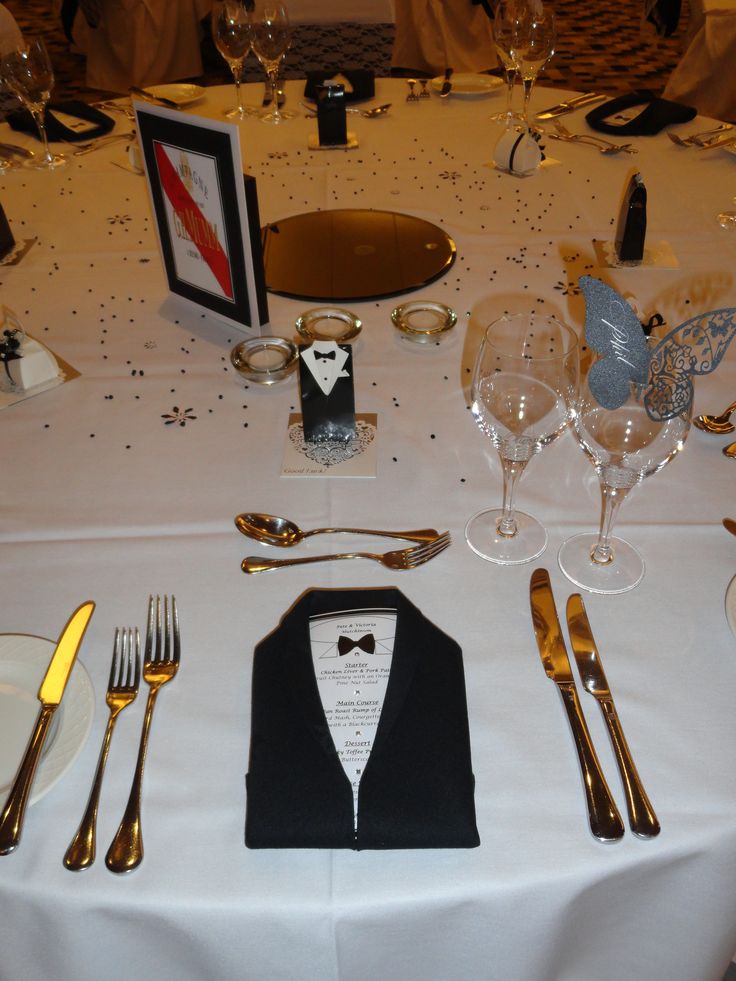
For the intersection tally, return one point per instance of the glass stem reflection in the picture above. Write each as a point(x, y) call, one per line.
point(612, 498)
point(528, 85)
point(40, 121)
point(510, 74)
point(512, 471)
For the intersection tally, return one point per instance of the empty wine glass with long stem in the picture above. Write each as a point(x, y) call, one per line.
point(271, 39)
point(625, 446)
point(231, 32)
point(536, 38)
point(525, 383)
point(505, 20)
point(28, 74)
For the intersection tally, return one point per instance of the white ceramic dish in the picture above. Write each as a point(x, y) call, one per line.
point(23, 663)
point(182, 94)
point(470, 86)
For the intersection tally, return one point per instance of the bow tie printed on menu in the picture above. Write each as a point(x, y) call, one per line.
point(347, 644)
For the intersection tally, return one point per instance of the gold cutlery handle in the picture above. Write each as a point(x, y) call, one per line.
point(604, 818)
point(82, 850)
point(11, 819)
point(126, 851)
point(254, 563)
point(420, 535)
point(642, 819)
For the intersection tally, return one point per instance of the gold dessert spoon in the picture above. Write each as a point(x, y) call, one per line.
point(717, 424)
point(272, 530)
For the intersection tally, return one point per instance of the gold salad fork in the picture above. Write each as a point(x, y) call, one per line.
point(404, 558)
point(122, 688)
point(161, 662)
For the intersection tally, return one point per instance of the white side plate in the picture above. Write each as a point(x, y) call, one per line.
point(469, 85)
point(23, 663)
point(182, 95)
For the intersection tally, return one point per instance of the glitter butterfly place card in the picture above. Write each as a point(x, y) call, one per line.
point(665, 366)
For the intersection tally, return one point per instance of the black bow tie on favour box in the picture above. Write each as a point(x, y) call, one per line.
point(416, 788)
point(359, 83)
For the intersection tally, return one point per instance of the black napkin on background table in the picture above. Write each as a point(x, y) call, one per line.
point(657, 114)
point(57, 131)
point(362, 82)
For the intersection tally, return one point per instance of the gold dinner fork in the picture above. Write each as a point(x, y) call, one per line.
point(161, 662)
point(404, 558)
point(122, 688)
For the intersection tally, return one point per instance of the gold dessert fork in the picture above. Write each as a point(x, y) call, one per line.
point(403, 558)
point(122, 688)
point(161, 662)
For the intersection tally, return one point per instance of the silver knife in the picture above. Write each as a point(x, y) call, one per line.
point(150, 97)
point(642, 819)
point(603, 816)
point(49, 695)
point(578, 102)
point(447, 84)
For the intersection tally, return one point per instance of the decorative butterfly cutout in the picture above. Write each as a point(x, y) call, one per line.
point(612, 329)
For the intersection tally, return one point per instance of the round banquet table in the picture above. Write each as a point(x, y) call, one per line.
point(125, 481)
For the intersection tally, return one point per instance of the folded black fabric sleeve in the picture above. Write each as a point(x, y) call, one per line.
point(656, 116)
point(56, 131)
point(362, 82)
point(416, 790)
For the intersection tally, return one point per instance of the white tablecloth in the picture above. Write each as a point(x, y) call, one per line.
point(126, 480)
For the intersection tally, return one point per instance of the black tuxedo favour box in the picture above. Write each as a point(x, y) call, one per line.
point(416, 790)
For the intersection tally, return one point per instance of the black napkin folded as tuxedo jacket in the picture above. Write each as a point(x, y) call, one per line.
point(362, 82)
point(416, 790)
point(656, 115)
point(23, 121)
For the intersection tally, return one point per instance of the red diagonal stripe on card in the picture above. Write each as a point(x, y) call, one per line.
point(198, 228)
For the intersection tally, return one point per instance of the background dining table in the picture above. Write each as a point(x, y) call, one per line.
point(125, 481)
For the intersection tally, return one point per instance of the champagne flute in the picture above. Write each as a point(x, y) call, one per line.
point(271, 39)
point(27, 72)
point(231, 32)
point(536, 38)
point(524, 388)
point(624, 445)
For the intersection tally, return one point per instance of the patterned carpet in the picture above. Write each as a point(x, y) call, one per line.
point(601, 46)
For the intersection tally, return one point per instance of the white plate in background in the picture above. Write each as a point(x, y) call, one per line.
point(23, 663)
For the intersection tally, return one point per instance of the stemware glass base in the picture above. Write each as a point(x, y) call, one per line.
point(276, 116)
point(481, 533)
point(239, 112)
point(625, 571)
point(51, 162)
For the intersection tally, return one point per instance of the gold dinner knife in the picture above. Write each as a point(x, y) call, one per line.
point(642, 819)
point(603, 816)
point(49, 695)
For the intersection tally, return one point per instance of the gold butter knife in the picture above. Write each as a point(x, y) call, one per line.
point(49, 695)
point(642, 819)
point(603, 816)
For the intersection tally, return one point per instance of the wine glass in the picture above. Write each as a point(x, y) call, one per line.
point(271, 40)
point(505, 21)
point(525, 383)
point(27, 72)
point(624, 445)
point(231, 32)
point(535, 39)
